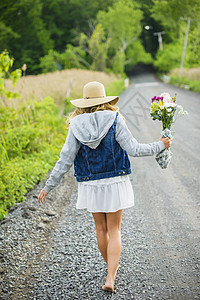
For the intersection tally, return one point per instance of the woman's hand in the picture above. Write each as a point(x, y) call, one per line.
point(167, 141)
point(42, 196)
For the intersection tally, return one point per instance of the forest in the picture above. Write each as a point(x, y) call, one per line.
point(112, 35)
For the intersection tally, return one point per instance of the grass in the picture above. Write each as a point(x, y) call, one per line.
point(115, 88)
point(193, 73)
point(55, 85)
point(186, 78)
point(183, 82)
point(31, 139)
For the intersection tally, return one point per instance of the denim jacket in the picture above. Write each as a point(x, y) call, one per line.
point(107, 160)
point(95, 131)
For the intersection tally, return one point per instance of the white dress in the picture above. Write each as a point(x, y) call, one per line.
point(105, 195)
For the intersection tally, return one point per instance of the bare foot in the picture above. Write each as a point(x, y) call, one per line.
point(109, 285)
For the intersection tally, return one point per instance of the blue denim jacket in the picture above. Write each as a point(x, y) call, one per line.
point(104, 141)
point(107, 160)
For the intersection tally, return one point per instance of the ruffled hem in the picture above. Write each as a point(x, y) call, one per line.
point(105, 195)
point(103, 211)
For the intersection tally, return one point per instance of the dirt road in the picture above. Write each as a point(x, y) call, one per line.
point(160, 234)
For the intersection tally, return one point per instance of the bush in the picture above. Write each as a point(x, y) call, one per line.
point(31, 139)
point(73, 57)
point(115, 88)
point(168, 58)
point(183, 82)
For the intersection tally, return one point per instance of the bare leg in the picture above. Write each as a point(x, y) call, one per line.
point(101, 231)
point(113, 222)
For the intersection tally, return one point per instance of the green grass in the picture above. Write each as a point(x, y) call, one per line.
point(183, 82)
point(115, 88)
point(31, 139)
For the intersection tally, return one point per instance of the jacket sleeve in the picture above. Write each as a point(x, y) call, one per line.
point(67, 156)
point(131, 146)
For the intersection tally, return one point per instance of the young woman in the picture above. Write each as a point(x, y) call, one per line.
point(98, 143)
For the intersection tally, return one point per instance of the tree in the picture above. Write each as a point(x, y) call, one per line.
point(6, 63)
point(122, 25)
point(31, 39)
point(29, 29)
point(73, 57)
point(98, 47)
point(171, 12)
point(168, 58)
point(193, 51)
point(174, 15)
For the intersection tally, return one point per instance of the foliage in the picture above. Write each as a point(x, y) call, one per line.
point(183, 82)
point(171, 12)
point(115, 88)
point(193, 50)
point(173, 16)
point(168, 58)
point(122, 24)
point(29, 29)
point(98, 48)
point(6, 63)
point(30, 141)
point(73, 57)
point(49, 62)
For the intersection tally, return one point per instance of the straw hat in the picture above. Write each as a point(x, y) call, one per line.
point(94, 94)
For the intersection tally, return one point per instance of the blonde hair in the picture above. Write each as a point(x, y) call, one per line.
point(79, 111)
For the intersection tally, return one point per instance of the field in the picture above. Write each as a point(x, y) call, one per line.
point(193, 73)
point(55, 85)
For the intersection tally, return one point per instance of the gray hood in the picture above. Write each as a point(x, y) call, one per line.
point(91, 128)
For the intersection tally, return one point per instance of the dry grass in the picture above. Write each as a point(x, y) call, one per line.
point(55, 85)
point(193, 73)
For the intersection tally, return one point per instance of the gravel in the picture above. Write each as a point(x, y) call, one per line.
point(53, 254)
point(49, 251)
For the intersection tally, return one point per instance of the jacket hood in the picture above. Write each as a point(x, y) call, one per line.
point(91, 128)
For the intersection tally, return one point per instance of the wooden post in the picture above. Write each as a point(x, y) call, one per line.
point(67, 96)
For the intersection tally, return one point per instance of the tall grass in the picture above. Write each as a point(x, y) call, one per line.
point(186, 78)
point(55, 85)
point(193, 73)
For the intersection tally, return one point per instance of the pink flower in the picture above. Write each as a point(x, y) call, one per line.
point(166, 98)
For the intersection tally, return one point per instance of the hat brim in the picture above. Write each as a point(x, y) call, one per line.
point(84, 102)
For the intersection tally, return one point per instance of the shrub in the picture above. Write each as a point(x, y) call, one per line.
point(30, 143)
point(183, 82)
point(168, 58)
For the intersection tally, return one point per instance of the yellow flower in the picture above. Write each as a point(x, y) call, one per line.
point(161, 103)
point(154, 107)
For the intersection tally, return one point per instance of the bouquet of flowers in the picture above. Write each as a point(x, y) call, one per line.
point(165, 109)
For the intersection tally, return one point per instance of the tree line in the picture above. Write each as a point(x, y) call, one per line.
point(49, 35)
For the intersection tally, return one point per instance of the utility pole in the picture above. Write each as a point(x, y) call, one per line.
point(185, 44)
point(159, 34)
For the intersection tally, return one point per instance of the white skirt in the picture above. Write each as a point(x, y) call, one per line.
point(105, 195)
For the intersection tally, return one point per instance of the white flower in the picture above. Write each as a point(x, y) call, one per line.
point(169, 104)
point(166, 97)
point(181, 111)
point(169, 109)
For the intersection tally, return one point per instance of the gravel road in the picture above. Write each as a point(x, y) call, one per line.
point(50, 251)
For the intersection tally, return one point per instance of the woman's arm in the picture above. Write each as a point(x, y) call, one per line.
point(132, 147)
point(67, 156)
